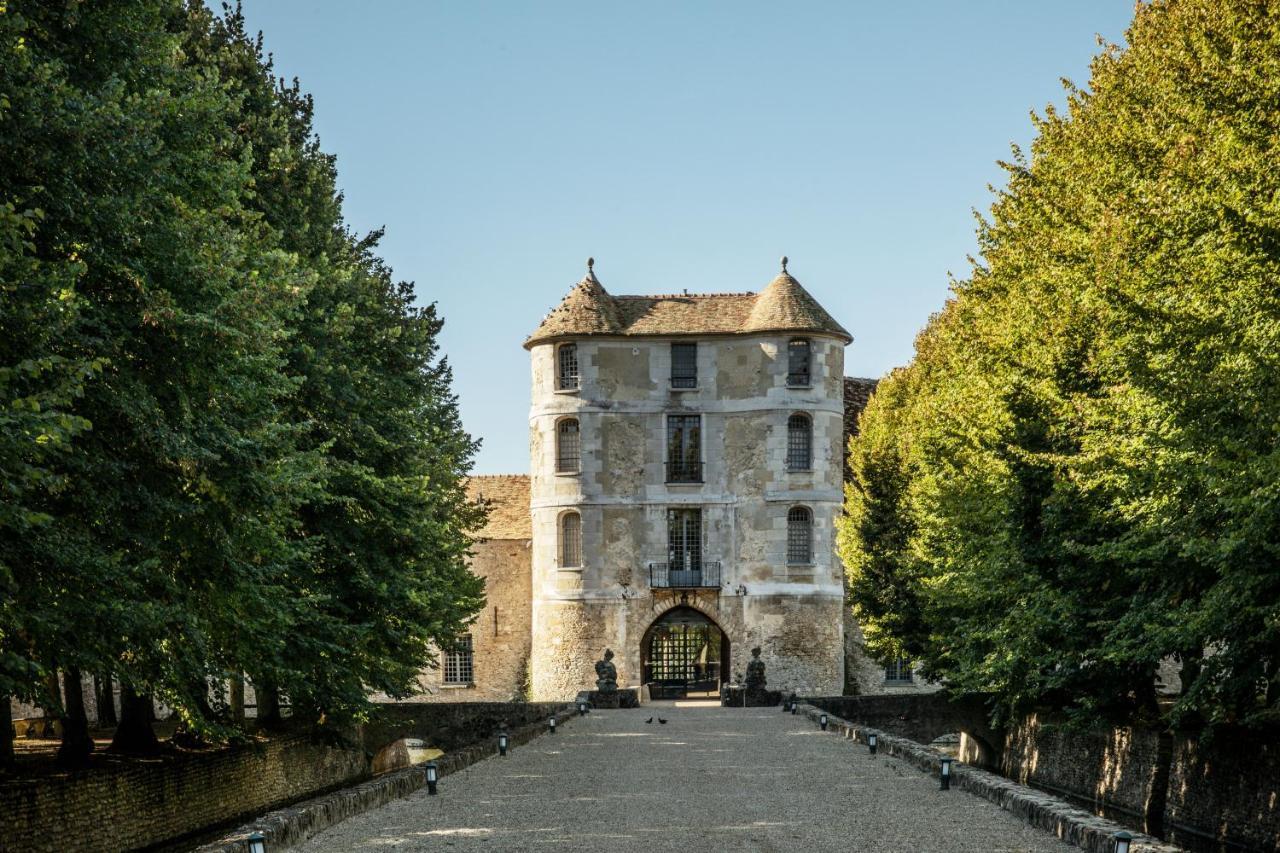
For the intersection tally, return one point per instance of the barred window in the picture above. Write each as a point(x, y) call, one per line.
point(684, 449)
point(567, 373)
point(568, 447)
point(570, 540)
point(459, 662)
point(684, 539)
point(798, 358)
point(799, 443)
point(799, 537)
point(899, 669)
point(684, 365)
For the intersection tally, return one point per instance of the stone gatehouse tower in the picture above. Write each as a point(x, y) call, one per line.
point(686, 457)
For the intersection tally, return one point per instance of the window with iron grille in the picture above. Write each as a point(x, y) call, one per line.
point(567, 372)
point(684, 365)
point(799, 443)
point(899, 669)
point(684, 539)
point(570, 540)
point(568, 447)
point(798, 358)
point(684, 449)
point(799, 536)
point(459, 662)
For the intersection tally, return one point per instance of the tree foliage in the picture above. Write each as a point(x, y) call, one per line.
point(1076, 477)
point(228, 441)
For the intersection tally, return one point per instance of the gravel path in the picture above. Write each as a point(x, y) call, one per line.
point(711, 779)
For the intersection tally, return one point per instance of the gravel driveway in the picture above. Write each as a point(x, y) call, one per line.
point(712, 779)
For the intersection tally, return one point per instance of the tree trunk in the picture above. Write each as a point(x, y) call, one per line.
point(236, 698)
point(106, 701)
point(76, 744)
point(134, 734)
point(268, 705)
point(6, 734)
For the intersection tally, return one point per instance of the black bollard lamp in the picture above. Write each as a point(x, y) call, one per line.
point(433, 776)
point(871, 742)
point(1123, 840)
point(503, 743)
point(258, 842)
point(945, 776)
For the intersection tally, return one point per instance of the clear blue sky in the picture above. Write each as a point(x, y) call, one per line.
point(684, 145)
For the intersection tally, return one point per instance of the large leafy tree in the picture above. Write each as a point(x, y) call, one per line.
point(1086, 440)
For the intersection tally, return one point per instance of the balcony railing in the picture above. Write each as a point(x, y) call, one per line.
point(684, 472)
point(797, 380)
point(700, 575)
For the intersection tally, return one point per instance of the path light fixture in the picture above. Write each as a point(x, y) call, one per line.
point(945, 776)
point(582, 709)
point(258, 842)
point(433, 776)
point(794, 706)
point(822, 721)
point(1123, 840)
point(871, 742)
point(503, 742)
point(552, 724)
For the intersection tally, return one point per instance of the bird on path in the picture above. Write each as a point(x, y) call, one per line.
point(648, 721)
point(662, 721)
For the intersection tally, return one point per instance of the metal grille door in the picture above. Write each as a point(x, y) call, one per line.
point(683, 656)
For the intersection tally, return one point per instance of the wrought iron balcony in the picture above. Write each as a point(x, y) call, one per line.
point(684, 472)
point(691, 575)
point(797, 380)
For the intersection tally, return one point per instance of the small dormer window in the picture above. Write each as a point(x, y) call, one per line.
point(567, 367)
point(684, 365)
point(799, 359)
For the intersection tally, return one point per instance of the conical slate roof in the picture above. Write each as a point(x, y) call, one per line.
point(783, 306)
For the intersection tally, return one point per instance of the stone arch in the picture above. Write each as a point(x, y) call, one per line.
point(684, 651)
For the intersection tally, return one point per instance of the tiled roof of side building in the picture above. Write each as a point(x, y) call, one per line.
point(507, 498)
point(783, 306)
point(857, 392)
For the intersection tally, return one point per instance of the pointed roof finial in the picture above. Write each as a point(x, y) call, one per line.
point(591, 262)
point(784, 264)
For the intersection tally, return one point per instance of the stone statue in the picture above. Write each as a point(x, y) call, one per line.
point(606, 674)
point(755, 673)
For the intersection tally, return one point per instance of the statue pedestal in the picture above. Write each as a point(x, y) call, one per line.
point(611, 699)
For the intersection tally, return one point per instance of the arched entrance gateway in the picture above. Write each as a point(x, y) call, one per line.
point(684, 653)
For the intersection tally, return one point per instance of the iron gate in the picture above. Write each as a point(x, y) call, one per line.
point(683, 654)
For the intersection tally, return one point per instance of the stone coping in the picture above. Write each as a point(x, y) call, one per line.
point(295, 824)
point(1035, 808)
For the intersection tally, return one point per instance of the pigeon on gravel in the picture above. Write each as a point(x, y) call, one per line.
point(648, 721)
point(662, 721)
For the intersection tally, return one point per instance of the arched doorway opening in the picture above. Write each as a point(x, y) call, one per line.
point(684, 653)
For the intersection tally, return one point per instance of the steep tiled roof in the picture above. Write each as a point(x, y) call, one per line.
point(783, 306)
point(857, 392)
point(507, 498)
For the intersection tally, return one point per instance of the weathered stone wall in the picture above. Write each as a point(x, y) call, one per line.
point(793, 612)
point(137, 804)
point(501, 634)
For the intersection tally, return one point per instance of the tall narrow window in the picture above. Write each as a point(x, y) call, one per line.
point(459, 662)
point(684, 449)
point(568, 447)
point(799, 537)
point(684, 539)
point(567, 367)
point(570, 540)
point(899, 670)
point(798, 363)
point(799, 443)
point(684, 365)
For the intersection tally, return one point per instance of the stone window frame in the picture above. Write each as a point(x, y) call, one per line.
point(568, 368)
point(569, 542)
point(681, 379)
point(793, 375)
point(459, 666)
point(799, 440)
point(688, 467)
point(793, 540)
point(570, 464)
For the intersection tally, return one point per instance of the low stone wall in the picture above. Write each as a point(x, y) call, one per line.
point(140, 803)
point(291, 826)
point(1071, 824)
point(134, 803)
